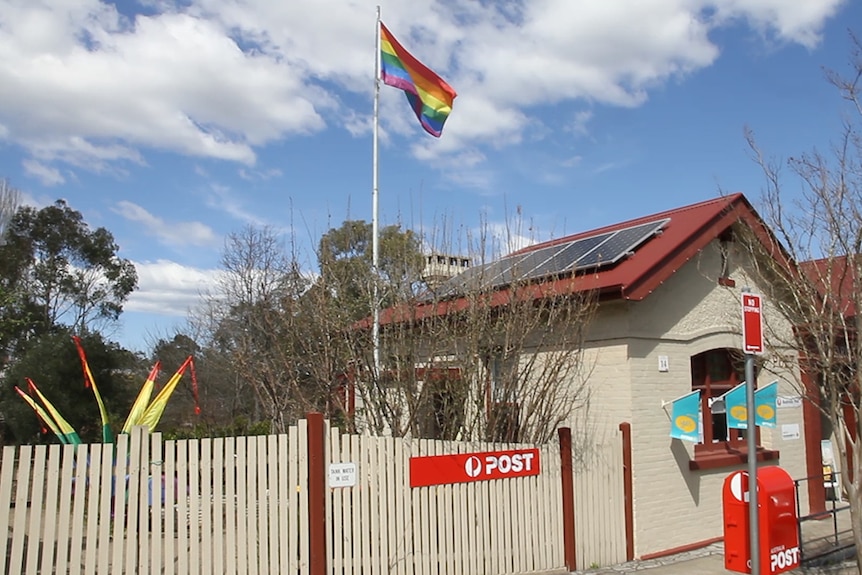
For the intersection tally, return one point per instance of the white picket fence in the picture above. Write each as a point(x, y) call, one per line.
point(381, 525)
point(600, 530)
point(240, 505)
point(228, 505)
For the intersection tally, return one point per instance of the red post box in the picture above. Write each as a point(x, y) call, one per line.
point(777, 522)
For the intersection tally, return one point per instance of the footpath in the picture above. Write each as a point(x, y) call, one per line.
point(709, 560)
point(706, 561)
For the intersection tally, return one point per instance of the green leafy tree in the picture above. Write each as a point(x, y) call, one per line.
point(56, 271)
point(179, 411)
point(345, 259)
point(225, 399)
point(52, 363)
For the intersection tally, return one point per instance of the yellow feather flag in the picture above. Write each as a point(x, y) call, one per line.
point(67, 430)
point(89, 381)
point(46, 419)
point(154, 411)
point(143, 399)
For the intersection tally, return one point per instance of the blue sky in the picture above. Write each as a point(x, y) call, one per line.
point(175, 123)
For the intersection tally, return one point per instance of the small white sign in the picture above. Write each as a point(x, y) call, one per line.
point(342, 474)
point(788, 402)
point(663, 363)
point(790, 431)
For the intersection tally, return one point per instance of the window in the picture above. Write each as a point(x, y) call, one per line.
point(714, 373)
point(502, 396)
point(440, 413)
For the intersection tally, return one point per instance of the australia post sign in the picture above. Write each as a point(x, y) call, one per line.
point(465, 467)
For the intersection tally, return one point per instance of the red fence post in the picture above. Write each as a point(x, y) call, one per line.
point(316, 494)
point(628, 490)
point(565, 435)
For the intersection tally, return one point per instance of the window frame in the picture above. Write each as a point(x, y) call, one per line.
point(713, 373)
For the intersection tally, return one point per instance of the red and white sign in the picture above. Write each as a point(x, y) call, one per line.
point(752, 323)
point(466, 467)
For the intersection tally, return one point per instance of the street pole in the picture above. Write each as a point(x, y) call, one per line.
point(751, 437)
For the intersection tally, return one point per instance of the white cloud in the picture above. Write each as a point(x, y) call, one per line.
point(579, 124)
point(87, 86)
point(169, 233)
point(471, 179)
point(573, 161)
point(80, 79)
point(253, 175)
point(508, 237)
point(606, 167)
point(46, 174)
point(221, 198)
point(168, 288)
point(799, 22)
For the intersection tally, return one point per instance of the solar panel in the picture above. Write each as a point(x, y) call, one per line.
point(584, 253)
point(523, 264)
point(494, 269)
point(509, 271)
point(621, 243)
point(457, 284)
point(565, 260)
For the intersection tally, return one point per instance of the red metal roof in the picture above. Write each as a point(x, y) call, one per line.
point(690, 229)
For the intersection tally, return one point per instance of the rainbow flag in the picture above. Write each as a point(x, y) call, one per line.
point(429, 95)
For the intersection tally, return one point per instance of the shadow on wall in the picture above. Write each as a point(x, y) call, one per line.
point(692, 480)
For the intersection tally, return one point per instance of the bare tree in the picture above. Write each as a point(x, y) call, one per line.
point(250, 318)
point(813, 263)
point(473, 364)
point(9, 199)
point(501, 366)
point(487, 355)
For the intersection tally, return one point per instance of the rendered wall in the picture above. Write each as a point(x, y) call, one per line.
point(688, 314)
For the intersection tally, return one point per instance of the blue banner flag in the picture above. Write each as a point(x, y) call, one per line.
point(734, 404)
point(684, 417)
point(764, 405)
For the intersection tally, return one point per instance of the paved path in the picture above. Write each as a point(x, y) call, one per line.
point(709, 560)
point(706, 561)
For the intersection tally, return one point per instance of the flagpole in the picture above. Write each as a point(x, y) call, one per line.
point(375, 243)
